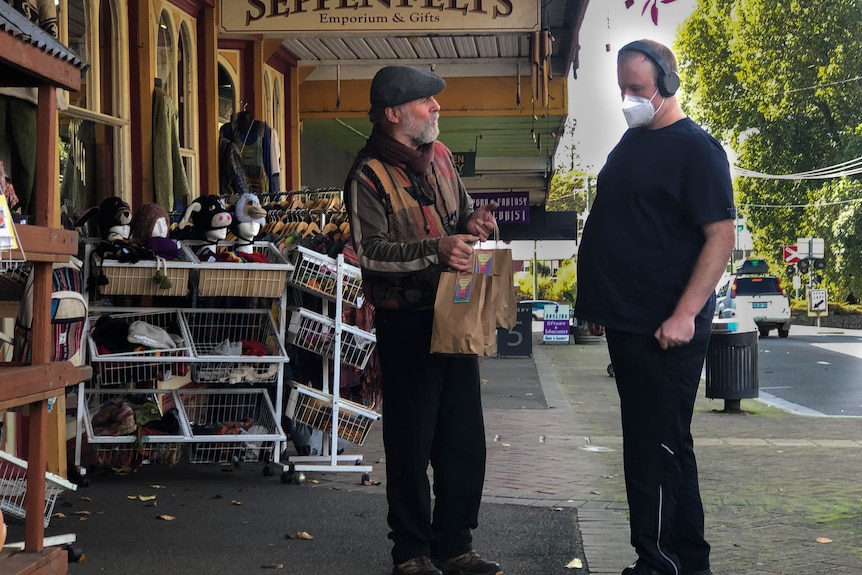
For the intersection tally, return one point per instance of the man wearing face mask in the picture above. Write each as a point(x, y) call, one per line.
point(659, 236)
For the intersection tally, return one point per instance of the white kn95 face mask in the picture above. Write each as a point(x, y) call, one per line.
point(638, 110)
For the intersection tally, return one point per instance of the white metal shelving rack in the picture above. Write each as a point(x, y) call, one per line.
point(201, 412)
point(338, 284)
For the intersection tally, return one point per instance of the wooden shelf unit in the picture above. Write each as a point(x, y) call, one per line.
point(29, 58)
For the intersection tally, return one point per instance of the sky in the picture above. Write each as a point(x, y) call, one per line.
point(594, 97)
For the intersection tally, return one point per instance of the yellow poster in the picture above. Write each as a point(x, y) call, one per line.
point(8, 240)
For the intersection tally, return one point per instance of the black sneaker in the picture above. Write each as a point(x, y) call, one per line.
point(416, 566)
point(469, 563)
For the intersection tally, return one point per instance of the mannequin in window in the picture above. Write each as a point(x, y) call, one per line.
point(253, 140)
point(169, 174)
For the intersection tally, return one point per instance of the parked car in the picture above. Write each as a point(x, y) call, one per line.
point(538, 307)
point(758, 296)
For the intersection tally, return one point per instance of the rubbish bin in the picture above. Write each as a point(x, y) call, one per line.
point(731, 362)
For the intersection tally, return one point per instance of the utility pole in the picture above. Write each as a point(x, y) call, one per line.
point(535, 273)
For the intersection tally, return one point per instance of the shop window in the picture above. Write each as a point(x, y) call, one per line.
point(94, 128)
point(165, 54)
point(226, 96)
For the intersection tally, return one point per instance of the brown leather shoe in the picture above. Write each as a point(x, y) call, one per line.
point(416, 566)
point(469, 563)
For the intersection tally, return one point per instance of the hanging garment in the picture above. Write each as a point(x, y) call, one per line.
point(169, 175)
point(252, 139)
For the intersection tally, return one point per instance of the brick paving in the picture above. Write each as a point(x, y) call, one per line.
point(773, 482)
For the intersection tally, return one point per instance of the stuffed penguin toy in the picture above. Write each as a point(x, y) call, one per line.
point(249, 216)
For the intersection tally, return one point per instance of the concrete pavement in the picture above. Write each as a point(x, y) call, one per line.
point(781, 491)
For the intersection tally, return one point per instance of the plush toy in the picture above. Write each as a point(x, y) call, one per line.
point(249, 217)
point(150, 228)
point(113, 219)
point(205, 219)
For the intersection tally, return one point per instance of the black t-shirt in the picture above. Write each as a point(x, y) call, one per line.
point(643, 235)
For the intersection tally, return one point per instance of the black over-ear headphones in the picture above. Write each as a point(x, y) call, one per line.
point(667, 81)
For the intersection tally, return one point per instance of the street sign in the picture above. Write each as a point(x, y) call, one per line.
point(791, 255)
point(556, 323)
point(817, 301)
point(517, 341)
point(813, 248)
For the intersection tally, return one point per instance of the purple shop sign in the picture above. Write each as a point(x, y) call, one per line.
point(514, 206)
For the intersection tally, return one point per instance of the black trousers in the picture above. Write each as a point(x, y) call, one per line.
point(657, 390)
point(432, 412)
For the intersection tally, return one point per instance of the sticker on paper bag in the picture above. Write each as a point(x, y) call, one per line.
point(484, 262)
point(463, 289)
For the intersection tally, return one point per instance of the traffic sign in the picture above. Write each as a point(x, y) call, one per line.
point(817, 300)
point(791, 255)
point(810, 247)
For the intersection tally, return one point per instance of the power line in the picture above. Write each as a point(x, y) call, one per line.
point(848, 168)
point(791, 91)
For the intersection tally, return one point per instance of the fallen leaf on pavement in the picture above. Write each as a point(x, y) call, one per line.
point(157, 486)
point(371, 482)
point(146, 497)
point(86, 499)
point(59, 515)
point(273, 566)
point(823, 540)
point(83, 512)
point(300, 535)
point(235, 502)
point(165, 517)
point(575, 564)
point(506, 444)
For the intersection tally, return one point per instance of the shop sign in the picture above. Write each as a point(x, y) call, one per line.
point(465, 163)
point(514, 207)
point(380, 16)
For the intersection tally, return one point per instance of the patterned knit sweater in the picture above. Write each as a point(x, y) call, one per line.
point(396, 229)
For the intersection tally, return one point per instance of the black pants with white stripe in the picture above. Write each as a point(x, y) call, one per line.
point(657, 391)
point(432, 413)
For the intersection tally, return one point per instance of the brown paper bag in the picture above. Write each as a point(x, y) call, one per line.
point(507, 303)
point(502, 304)
point(458, 328)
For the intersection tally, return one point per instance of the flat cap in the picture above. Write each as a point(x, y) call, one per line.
point(396, 85)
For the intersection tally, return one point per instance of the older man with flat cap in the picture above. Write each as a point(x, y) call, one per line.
point(410, 218)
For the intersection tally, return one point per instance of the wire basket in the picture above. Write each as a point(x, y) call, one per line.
point(13, 488)
point(230, 425)
point(243, 344)
point(316, 273)
point(243, 279)
point(129, 456)
point(313, 408)
point(139, 278)
point(143, 365)
point(316, 333)
point(140, 445)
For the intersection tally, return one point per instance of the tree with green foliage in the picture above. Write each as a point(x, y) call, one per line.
point(567, 191)
point(781, 81)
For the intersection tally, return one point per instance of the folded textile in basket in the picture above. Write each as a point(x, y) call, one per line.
point(143, 333)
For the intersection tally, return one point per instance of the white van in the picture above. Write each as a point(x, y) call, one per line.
point(759, 297)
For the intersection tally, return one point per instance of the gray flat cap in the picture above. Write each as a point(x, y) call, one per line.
point(396, 85)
